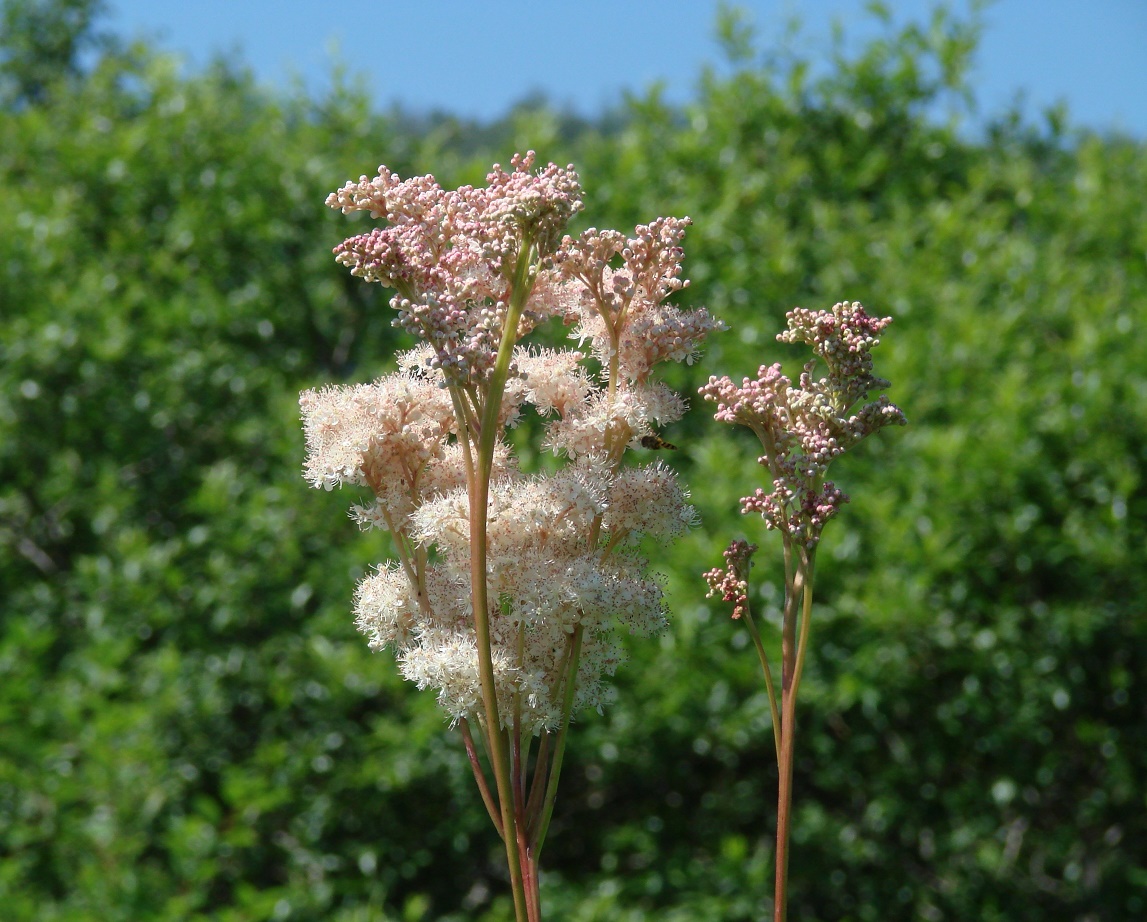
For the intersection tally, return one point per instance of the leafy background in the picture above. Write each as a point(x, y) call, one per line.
point(190, 728)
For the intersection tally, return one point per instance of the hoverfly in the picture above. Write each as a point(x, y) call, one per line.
point(655, 443)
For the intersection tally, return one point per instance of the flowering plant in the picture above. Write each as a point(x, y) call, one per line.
point(509, 589)
point(802, 430)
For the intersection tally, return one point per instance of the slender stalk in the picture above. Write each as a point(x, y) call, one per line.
point(538, 782)
point(466, 430)
point(784, 806)
point(798, 592)
point(545, 764)
point(614, 360)
point(521, 757)
point(479, 494)
point(808, 562)
point(480, 776)
point(539, 836)
point(499, 756)
point(532, 883)
point(751, 626)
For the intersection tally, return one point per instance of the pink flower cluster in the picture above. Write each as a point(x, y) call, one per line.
point(450, 256)
point(623, 311)
point(733, 582)
point(803, 429)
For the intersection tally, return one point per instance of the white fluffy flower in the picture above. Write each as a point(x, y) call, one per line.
point(649, 500)
point(374, 434)
point(560, 568)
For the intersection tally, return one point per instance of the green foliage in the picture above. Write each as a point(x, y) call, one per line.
point(41, 44)
point(190, 727)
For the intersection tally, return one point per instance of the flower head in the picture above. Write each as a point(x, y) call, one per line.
point(559, 549)
point(380, 435)
point(733, 582)
point(450, 255)
point(804, 428)
point(623, 313)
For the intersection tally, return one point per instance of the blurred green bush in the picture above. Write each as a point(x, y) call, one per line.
point(190, 728)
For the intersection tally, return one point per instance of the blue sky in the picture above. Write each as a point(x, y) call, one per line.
point(476, 58)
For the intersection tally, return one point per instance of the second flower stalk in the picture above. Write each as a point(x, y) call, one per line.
point(802, 429)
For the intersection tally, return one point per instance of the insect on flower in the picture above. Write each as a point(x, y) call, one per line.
point(656, 443)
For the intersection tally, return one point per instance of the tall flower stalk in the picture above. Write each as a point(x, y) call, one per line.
point(509, 590)
point(802, 430)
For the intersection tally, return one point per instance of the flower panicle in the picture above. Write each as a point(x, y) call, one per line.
point(560, 550)
point(450, 255)
point(732, 582)
point(539, 204)
point(626, 283)
point(804, 428)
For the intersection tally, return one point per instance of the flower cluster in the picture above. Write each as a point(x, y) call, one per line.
point(733, 582)
point(450, 256)
point(803, 428)
point(375, 434)
point(560, 550)
point(622, 310)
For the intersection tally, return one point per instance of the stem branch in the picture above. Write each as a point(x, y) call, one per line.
point(479, 512)
point(798, 592)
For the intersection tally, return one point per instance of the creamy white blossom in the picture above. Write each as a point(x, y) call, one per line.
point(560, 548)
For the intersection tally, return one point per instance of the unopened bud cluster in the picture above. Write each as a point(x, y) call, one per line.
point(732, 583)
point(804, 428)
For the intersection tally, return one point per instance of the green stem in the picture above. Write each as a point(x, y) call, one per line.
point(465, 428)
point(762, 656)
point(559, 749)
point(798, 591)
point(538, 782)
point(614, 358)
point(480, 776)
point(479, 513)
point(808, 563)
